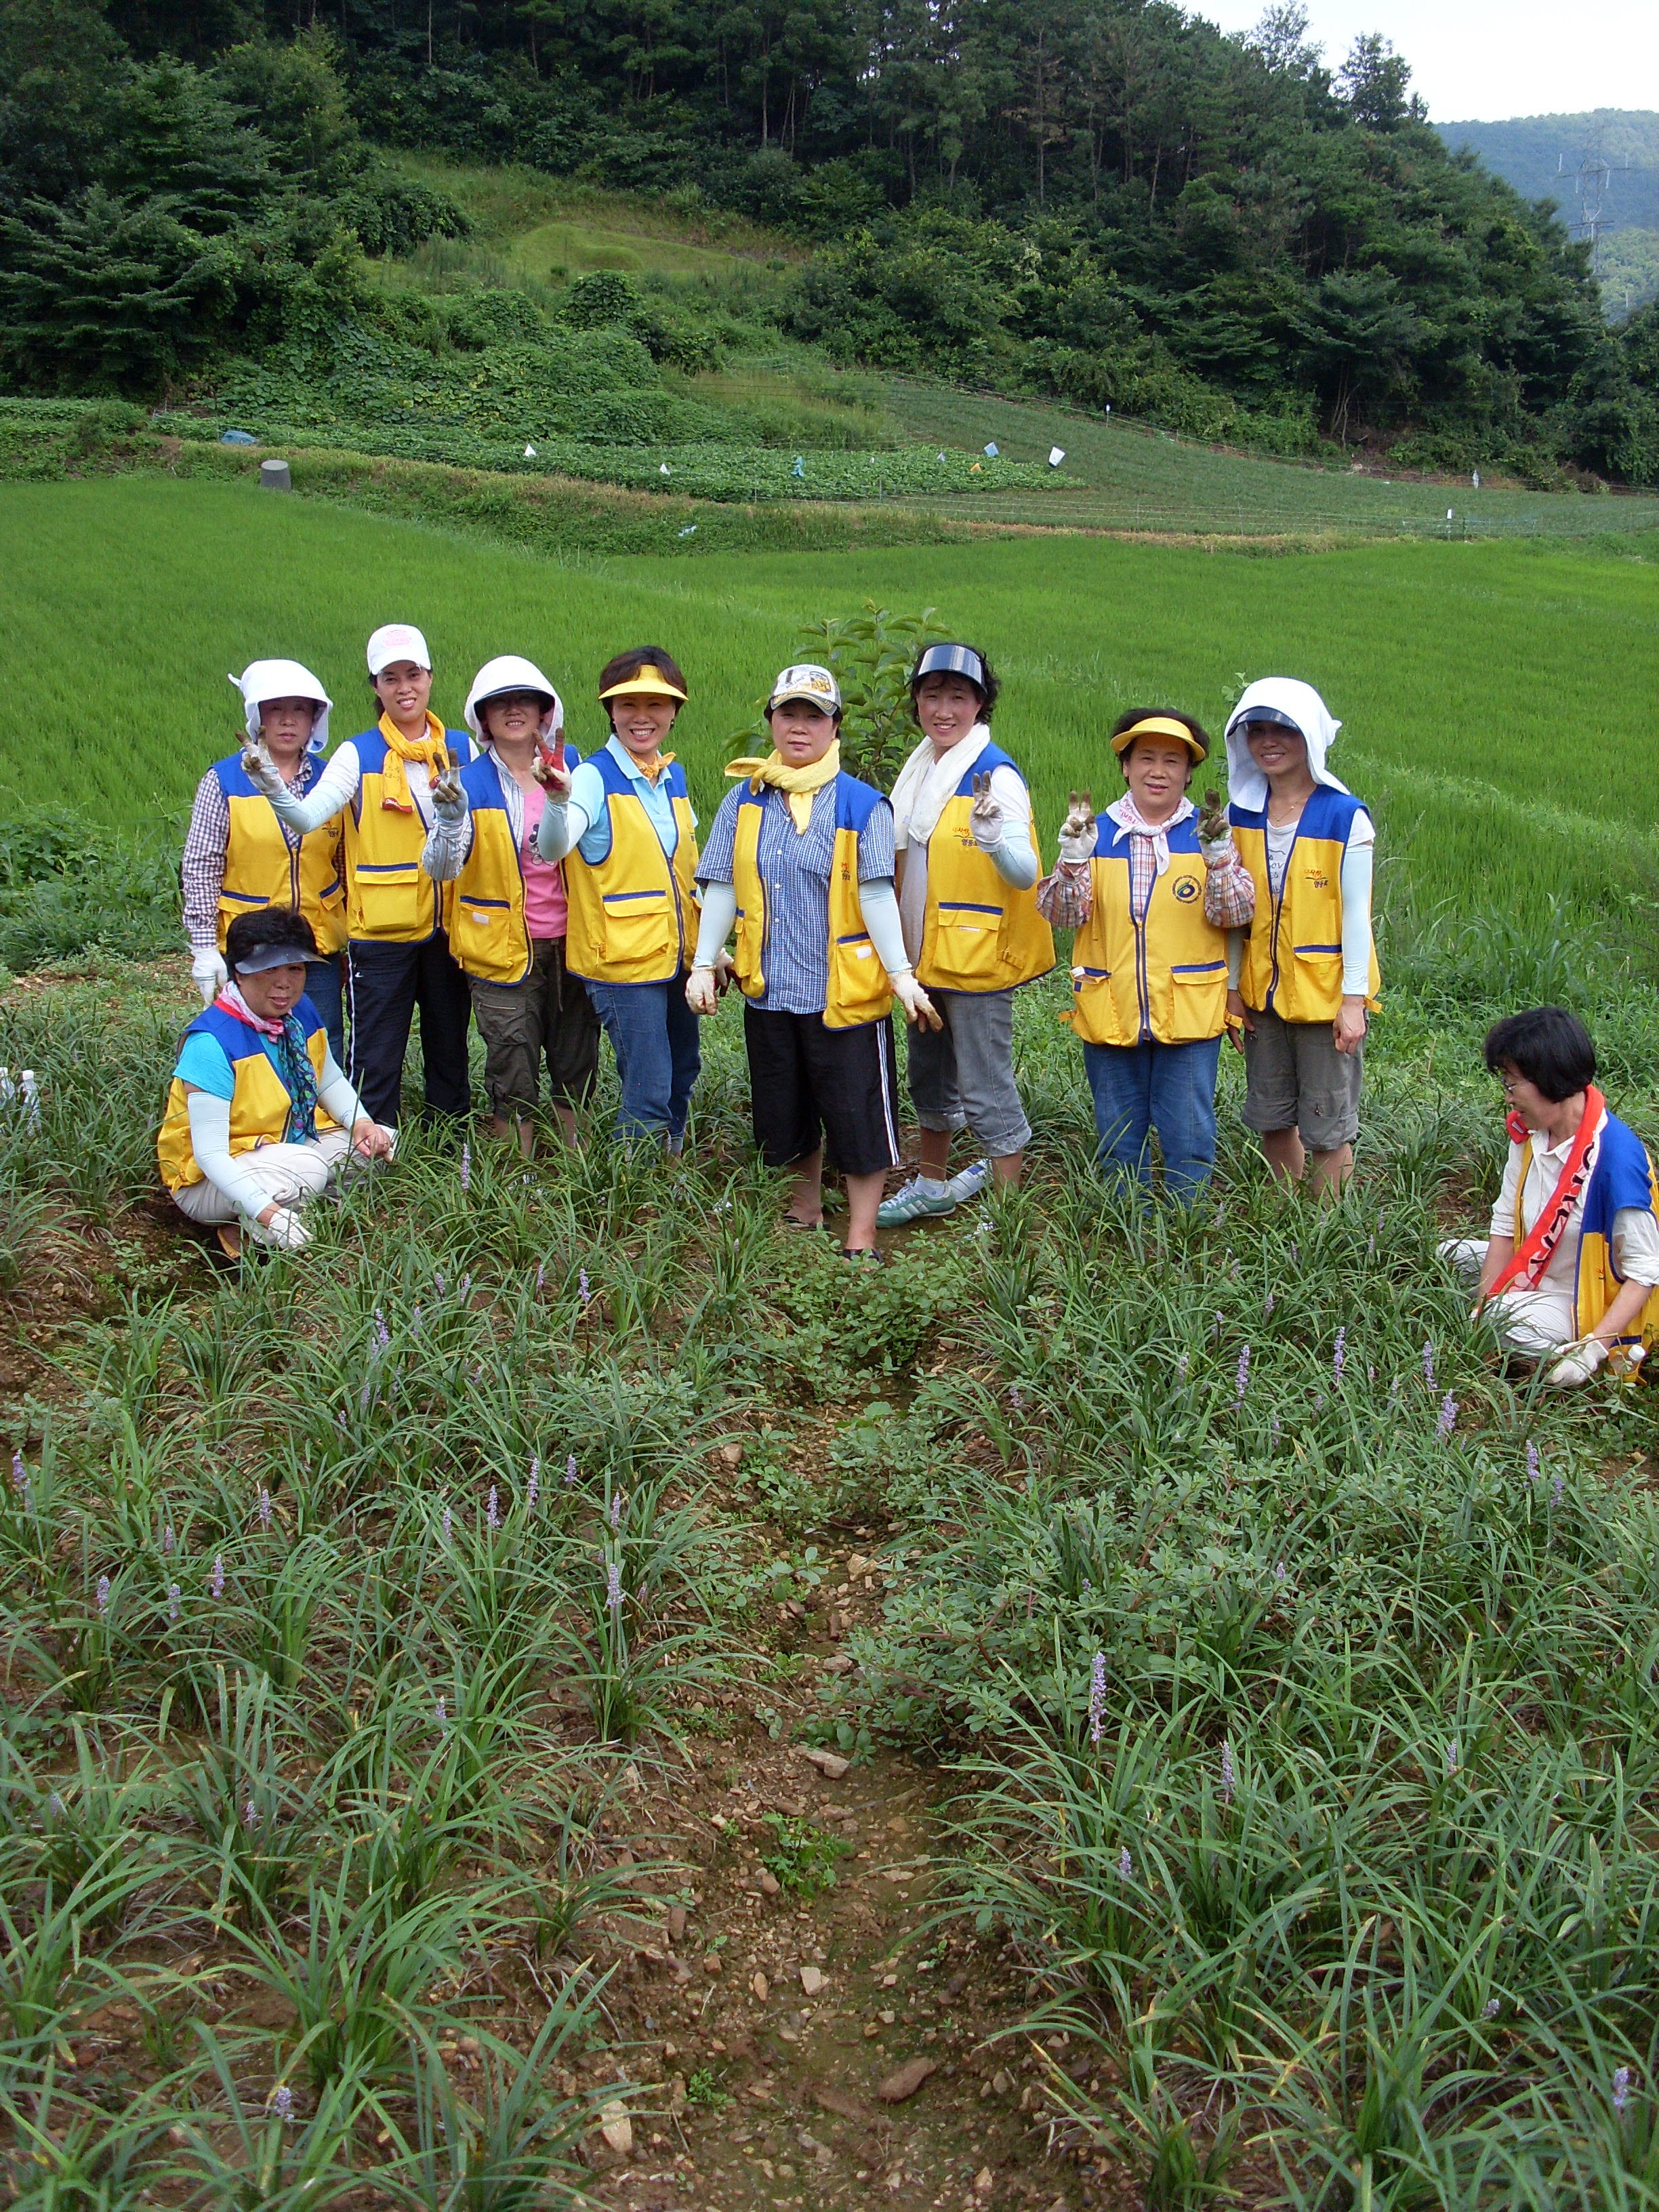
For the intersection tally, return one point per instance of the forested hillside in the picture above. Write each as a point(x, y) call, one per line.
point(1095, 200)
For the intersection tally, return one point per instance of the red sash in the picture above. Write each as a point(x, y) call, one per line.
point(1533, 1254)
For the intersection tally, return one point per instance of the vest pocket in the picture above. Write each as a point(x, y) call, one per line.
point(395, 899)
point(1198, 1002)
point(1094, 1007)
point(859, 987)
point(1310, 989)
point(967, 943)
point(484, 937)
point(638, 929)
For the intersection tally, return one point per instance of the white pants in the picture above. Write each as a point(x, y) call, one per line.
point(291, 1173)
point(1531, 1323)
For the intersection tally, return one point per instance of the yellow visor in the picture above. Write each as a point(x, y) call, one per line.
point(649, 679)
point(1160, 725)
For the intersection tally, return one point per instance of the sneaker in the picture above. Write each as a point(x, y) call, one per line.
point(970, 1182)
point(914, 1202)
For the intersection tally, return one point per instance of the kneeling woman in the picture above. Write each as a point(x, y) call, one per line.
point(1568, 1274)
point(1149, 974)
point(259, 1118)
point(800, 857)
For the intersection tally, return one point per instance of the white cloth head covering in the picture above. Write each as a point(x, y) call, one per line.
point(397, 641)
point(1247, 786)
point(511, 672)
point(927, 782)
point(281, 679)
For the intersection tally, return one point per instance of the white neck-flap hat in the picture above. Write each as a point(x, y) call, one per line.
point(281, 679)
point(1286, 700)
point(511, 672)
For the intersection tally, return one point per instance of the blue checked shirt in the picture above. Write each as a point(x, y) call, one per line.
point(795, 870)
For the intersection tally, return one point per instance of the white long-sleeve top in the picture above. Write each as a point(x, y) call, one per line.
point(338, 786)
point(209, 1136)
point(1635, 1231)
point(877, 903)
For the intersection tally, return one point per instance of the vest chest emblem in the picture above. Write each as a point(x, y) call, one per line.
point(1187, 890)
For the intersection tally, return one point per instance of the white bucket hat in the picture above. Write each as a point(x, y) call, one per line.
point(281, 679)
point(511, 672)
point(397, 641)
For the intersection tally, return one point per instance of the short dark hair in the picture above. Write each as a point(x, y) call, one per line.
point(988, 691)
point(624, 664)
point(1170, 713)
point(1546, 1045)
point(268, 925)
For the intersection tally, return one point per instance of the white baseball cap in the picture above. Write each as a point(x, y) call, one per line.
point(510, 671)
point(281, 679)
point(397, 641)
point(806, 680)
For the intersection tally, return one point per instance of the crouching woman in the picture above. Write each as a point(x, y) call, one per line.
point(1569, 1272)
point(259, 1118)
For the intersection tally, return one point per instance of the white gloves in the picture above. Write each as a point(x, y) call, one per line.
point(1079, 832)
point(918, 1006)
point(208, 972)
point(985, 818)
point(1575, 1362)
point(259, 769)
point(700, 993)
point(448, 800)
point(284, 1229)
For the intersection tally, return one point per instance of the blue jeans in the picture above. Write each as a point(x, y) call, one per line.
point(653, 1034)
point(1171, 1088)
point(323, 988)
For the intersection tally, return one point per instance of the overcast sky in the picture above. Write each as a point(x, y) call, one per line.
point(1483, 59)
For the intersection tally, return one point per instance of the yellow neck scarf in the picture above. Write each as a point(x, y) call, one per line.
point(432, 749)
point(799, 785)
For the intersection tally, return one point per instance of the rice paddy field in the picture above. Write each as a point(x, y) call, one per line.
point(564, 1693)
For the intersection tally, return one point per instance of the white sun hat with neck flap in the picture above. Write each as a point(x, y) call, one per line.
point(511, 672)
point(264, 680)
point(1298, 706)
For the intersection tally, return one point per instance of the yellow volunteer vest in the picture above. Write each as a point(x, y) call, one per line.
point(632, 915)
point(1293, 956)
point(258, 1107)
point(1622, 1176)
point(1169, 975)
point(262, 870)
point(390, 898)
point(856, 987)
point(980, 934)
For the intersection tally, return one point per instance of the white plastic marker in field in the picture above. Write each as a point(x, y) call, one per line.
point(662, 468)
point(991, 451)
point(26, 1089)
point(530, 452)
point(1056, 455)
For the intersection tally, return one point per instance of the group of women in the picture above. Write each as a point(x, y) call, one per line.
point(496, 871)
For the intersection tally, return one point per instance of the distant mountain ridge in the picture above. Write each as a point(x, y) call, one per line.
point(1540, 156)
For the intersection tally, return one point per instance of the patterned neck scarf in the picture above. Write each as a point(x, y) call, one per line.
point(288, 1040)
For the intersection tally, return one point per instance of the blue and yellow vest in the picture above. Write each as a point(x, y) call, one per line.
point(1621, 1176)
point(390, 898)
point(980, 934)
point(856, 990)
point(633, 914)
point(488, 933)
point(1164, 980)
point(263, 869)
point(1293, 955)
point(259, 1105)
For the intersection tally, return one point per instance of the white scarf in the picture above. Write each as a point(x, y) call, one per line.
point(927, 782)
point(1132, 822)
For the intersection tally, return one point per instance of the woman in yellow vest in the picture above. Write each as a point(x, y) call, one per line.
point(380, 783)
point(259, 1119)
point(1149, 962)
point(239, 857)
point(967, 866)
point(623, 825)
point(510, 908)
point(1303, 981)
point(800, 858)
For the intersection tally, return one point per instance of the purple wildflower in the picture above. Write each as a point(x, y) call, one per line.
point(466, 1167)
point(56, 1807)
point(441, 1713)
point(1242, 1380)
point(1319, 1401)
point(449, 1522)
point(250, 1816)
point(216, 1579)
point(1125, 1865)
point(1556, 1489)
point(1296, 1255)
point(1621, 2088)
point(382, 1333)
point(492, 1510)
point(1017, 1404)
point(173, 1601)
point(167, 1541)
point(1339, 1355)
point(1181, 1365)
point(414, 1317)
point(1532, 1462)
point(615, 1513)
point(1217, 1324)
point(1268, 1304)
point(340, 1417)
point(281, 2102)
point(1279, 1571)
point(1452, 1758)
point(1492, 2007)
point(1428, 1361)
point(1370, 1247)
point(439, 1280)
point(1447, 1419)
point(613, 1589)
point(265, 1507)
point(582, 1291)
point(1395, 1388)
point(1220, 1214)
point(534, 1487)
point(1096, 1696)
point(570, 1471)
point(103, 1593)
point(1273, 1433)
point(1228, 1779)
point(465, 1290)
point(365, 1394)
point(20, 1476)
point(541, 1277)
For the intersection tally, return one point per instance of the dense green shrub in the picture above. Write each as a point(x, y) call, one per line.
point(66, 887)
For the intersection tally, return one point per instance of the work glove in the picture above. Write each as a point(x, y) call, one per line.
point(448, 800)
point(1575, 1362)
point(986, 820)
point(1215, 834)
point(285, 1230)
point(260, 769)
point(554, 781)
point(208, 972)
point(701, 991)
point(1077, 832)
point(726, 972)
point(918, 1006)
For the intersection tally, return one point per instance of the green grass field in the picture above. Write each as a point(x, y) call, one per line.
point(1492, 695)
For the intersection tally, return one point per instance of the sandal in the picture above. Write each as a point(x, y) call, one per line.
point(868, 1255)
point(229, 1234)
point(789, 1221)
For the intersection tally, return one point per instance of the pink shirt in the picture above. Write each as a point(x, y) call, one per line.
point(545, 911)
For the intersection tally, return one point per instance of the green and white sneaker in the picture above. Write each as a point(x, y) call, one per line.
point(916, 1201)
